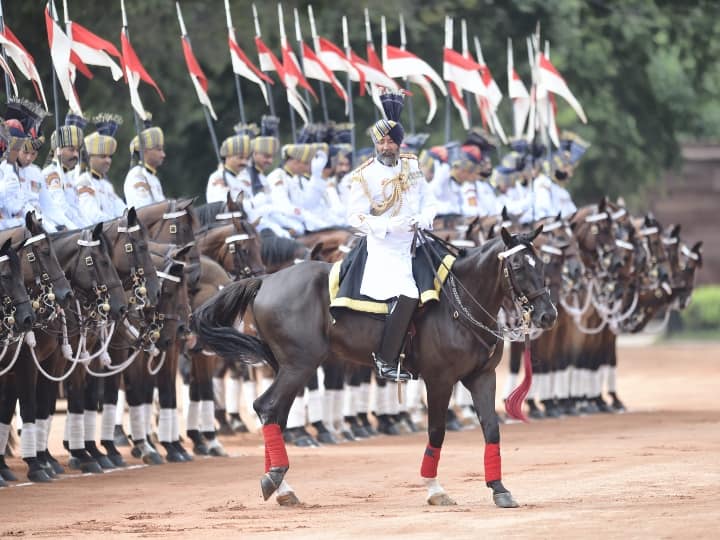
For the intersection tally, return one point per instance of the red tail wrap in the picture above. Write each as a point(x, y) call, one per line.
point(430, 462)
point(514, 402)
point(275, 451)
point(492, 462)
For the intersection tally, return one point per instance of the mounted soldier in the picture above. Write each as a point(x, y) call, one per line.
point(389, 198)
point(142, 186)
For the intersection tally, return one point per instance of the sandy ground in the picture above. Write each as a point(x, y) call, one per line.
point(653, 472)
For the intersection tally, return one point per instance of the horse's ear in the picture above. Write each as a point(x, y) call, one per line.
point(176, 269)
point(631, 234)
point(491, 232)
point(504, 214)
point(559, 217)
point(229, 202)
point(573, 224)
point(535, 234)
point(506, 236)
point(30, 221)
point(184, 204)
point(131, 216)
point(316, 251)
point(648, 221)
point(675, 233)
point(697, 248)
point(179, 253)
point(602, 205)
point(97, 231)
point(6, 246)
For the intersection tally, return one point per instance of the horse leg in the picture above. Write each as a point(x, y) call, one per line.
point(135, 389)
point(45, 397)
point(8, 399)
point(25, 381)
point(93, 389)
point(220, 398)
point(75, 424)
point(273, 407)
point(206, 368)
point(438, 399)
point(482, 388)
point(192, 422)
point(168, 406)
point(111, 387)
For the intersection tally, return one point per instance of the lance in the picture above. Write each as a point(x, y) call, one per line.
point(549, 107)
point(136, 116)
point(56, 101)
point(283, 42)
point(369, 43)
point(238, 87)
point(298, 37)
point(466, 53)
point(268, 88)
point(208, 119)
point(316, 46)
point(408, 98)
point(351, 109)
point(448, 45)
point(4, 54)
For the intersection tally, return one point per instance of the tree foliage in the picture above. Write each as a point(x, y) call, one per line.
point(646, 72)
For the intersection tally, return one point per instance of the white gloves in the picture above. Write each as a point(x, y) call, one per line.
point(399, 224)
point(421, 221)
point(318, 164)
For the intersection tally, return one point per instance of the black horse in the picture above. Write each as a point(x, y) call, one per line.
point(456, 339)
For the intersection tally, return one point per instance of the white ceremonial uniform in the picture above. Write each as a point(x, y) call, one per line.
point(58, 198)
point(447, 192)
point(343, 189)
point(31, 179)
point(296, 198)
point(517, 200)
point(221, 182)
point(142, 187)
point(388, 269)
point(259, 205)
point(542, 200)
point(335, 209)
point(562, 201)
point(487, 200)
point(97, 199)
point(12, 197)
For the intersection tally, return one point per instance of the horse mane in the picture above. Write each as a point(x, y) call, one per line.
point(206, 213)
point(276, 249)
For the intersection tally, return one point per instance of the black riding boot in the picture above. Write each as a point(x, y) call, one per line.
point(396, 326)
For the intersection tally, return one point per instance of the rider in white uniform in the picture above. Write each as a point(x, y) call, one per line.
point(142, 186)
point(96, 194)
point(388, 198)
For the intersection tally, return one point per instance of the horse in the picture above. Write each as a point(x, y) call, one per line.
point(298, 333)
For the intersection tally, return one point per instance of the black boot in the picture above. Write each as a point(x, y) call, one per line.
point(396, 326)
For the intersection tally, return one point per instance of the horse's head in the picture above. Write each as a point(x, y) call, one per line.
point(593, 230)
point(173, 308)
point(17, 313)
point(561, 263)
point(96, 277)
point(242, 254)
point(43, 274)
point(683, 287)
point(132, 259)
point(524, 278)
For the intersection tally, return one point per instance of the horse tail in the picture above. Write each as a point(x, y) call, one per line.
point(213, 324)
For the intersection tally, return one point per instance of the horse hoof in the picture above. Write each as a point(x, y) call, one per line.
point(181, 450)
point(238, 426)
point(153, 458)
point(271, 480)
point(90, 466)
point(217, 451)
point(504, 500)
point(226, 429)
point(288, 499)
point(453, 425)
point(74, 463)
point(47, 467)
point(105, 462)
point(39, 476)
point(3, 483)
point(119, 437)
point(440, 499)
point(174, 457)
point(303, 442)
point(326, 438)
point(8, 475)
point(136, 452)
point(117, 460)
point(201, 450)
point(55, 464)
point(348, 436)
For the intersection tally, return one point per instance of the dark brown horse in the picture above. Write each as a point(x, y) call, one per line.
point(298, 333)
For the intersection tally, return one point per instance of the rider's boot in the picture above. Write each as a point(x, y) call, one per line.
point(396, 326)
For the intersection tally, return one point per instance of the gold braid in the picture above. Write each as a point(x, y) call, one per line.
point(398, 185)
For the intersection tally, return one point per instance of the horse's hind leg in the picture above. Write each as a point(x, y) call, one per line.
point(482, 388)
point(438, 398)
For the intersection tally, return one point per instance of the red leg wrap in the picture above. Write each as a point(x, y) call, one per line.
point(275, 451)
point(267, 459)
point(430, 461)
point(492, 462)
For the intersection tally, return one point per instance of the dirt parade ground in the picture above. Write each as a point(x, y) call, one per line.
point(653, 472)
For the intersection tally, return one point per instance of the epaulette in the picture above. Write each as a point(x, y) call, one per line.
point(356, 174)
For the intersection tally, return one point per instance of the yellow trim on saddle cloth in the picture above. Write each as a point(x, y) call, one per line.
point(370, 306)
point(442, 271)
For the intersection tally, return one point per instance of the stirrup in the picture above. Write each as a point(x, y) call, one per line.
point(391, 373)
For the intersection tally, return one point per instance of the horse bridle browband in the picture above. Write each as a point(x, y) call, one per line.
point(44, 299)
point(137, 282)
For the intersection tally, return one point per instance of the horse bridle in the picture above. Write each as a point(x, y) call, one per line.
point(136, 281)
point(9, 306)
point(99, 312)
point(43, 298)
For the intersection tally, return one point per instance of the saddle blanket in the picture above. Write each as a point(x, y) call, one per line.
point(346, 276)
